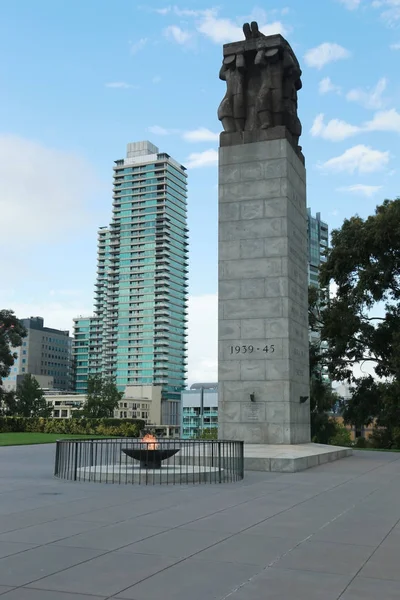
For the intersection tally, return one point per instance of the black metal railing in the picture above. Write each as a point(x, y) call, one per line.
point(165, 461)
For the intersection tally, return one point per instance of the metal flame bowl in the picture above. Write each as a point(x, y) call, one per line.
point(150, 459)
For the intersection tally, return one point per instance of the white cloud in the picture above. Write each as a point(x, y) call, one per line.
point(120, 85)
point(203, 336)
point(188, 12)
point(387, 120)
point(361, 159)
point(202, 159)
point(370, 98)
point(362, 189)
point(325, 53)
point(221, 30)
point(335, 130)
point(137, 46)
point(390, 11)
point(45, 193)
point(350, 4)
point(326, 86)
point(395, 46)
point(178, 35)
point(200, 135)
point(163, 11)
point(157, 130)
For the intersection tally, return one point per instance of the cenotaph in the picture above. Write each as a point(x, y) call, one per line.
point(263, 345)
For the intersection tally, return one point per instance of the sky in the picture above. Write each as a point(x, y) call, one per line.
point(79, 80)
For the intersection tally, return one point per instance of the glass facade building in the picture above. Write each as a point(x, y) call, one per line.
point(199, 409)
point(318, 239)
point(138, 333)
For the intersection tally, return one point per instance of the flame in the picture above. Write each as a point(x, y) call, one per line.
point(151, 441)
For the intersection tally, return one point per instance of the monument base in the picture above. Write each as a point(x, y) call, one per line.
point(290, 458)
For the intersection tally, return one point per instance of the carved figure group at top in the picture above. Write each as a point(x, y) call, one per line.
point(262, 86)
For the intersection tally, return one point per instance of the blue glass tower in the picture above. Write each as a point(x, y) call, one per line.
point(141, 289)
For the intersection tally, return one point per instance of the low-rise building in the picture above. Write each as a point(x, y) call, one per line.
point(45, 353)
point(145, 402)
point(64, 404)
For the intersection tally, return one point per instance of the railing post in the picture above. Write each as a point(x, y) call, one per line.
point(56, 465)
point(76, 460)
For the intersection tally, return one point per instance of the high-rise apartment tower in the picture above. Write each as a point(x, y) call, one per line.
point(318, 239)
point(138, 333)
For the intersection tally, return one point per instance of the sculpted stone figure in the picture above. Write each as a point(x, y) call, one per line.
point(263, 77)
point(232, 111)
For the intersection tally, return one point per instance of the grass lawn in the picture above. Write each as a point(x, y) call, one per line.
point(22, 439)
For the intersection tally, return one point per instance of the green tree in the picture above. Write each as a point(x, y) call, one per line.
point(102, 397)
point(361, 322)
point(208, 434)
point(322, 398)
point(30, 400)
point(11, 334)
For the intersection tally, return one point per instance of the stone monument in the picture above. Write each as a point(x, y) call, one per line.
point(263, 373)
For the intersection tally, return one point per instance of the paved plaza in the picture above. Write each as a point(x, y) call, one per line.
point(327, 533)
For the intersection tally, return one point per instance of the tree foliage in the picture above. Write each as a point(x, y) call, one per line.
point(102, 397)
point(361, 321)
point(30, 400)
point(211, 433)
point(12, 333)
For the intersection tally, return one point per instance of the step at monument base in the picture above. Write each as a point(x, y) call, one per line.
point(290, 458)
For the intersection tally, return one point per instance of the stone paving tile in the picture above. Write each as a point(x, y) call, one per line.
point(278, 584)
point(111, 537)
point(288, 525)
point(369, 535)
point(179, 543)
point(4, 589)
point(192, 579)
point(232, 520)
point(326, 557)
point(31, 594)
point(48, 532)
point(384, 564)
point(39, 562)
point(245, 549)
point(393, 539)
point(10, 548)
point(106, 575)
point(372, 589)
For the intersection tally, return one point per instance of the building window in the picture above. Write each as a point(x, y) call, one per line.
point(56, 413)
point(64, 414)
